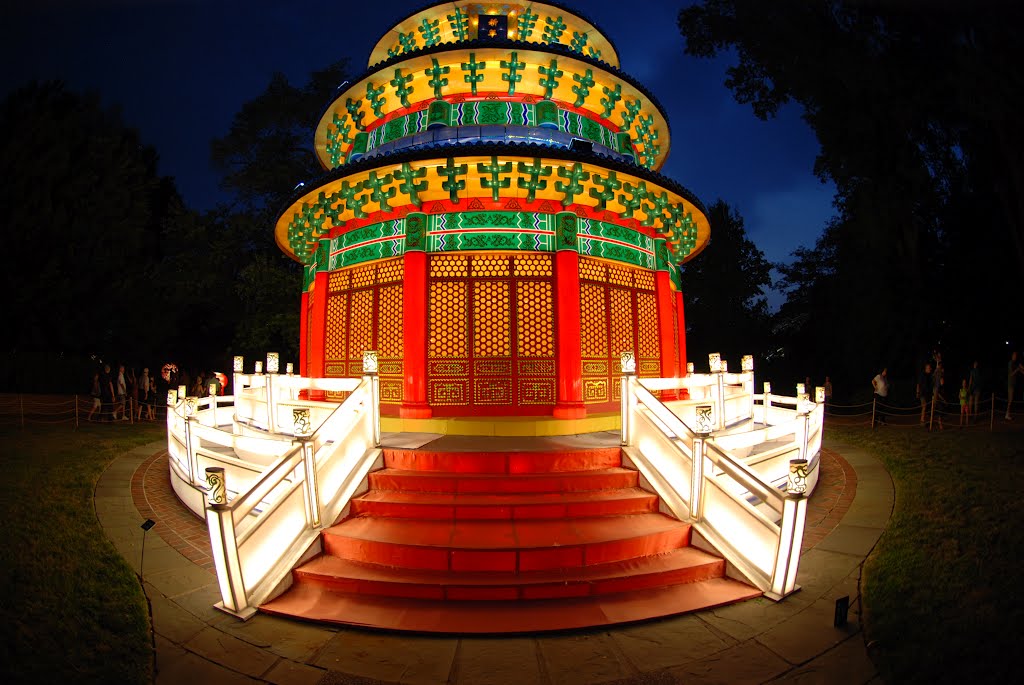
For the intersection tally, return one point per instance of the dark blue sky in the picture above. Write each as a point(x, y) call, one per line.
point(180, 69)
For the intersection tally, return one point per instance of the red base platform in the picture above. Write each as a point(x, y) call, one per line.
point(505, 542)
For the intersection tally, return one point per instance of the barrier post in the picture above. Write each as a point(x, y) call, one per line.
point(992, 417)
point(371, 367)
point(931, 416)
point(223, 543)
point(76, 412)
point(791, 531)
point(874, 401)
point(21, 409)
point(627, 363)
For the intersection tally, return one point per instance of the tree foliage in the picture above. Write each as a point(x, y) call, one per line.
point(916, 108)
point(725, 291)
point(82, 210)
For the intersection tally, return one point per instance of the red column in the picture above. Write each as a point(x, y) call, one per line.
point(414, 331)
point(304, 335)
point(569, 369)
point(666, 303)
point(682, 333)
point(318, 333)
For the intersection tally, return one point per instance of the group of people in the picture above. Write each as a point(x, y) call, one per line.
point(931, 389)
point(116, 395)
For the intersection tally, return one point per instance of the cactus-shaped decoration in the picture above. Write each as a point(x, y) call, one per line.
point(436, 74)
point(554, 29)
point(612, 97)
point(637, 194)
point(459, 23)
point(527, 23)
point(355, 111)
point(608, 185)
point(550, 75)
point(407, 175)
point(428, 29)
point(512, 75)
point(579, 40)
point(474, 68)
point(407, 41)
point(493, 180)
point(375, 96)
point(533, 181)
point(584, 82)
point(380, 195)
point(451, 172)
point(353, 203)
point(400, 84)
point(574, 187)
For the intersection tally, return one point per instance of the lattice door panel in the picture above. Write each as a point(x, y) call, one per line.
point(364, 312)
point(490, 344)
point(618, 312)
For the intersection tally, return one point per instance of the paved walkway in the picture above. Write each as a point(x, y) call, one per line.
point(752, 642)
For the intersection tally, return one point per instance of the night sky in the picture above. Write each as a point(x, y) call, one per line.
point(180, 69)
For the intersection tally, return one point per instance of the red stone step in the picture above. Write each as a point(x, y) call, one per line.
point(504, 545)
point(684, 565)
point(548, 505)
point(573, 481)
point(508, 462)
point(315, 603)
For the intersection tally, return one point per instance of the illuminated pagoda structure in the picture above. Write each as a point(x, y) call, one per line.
point(492, 220)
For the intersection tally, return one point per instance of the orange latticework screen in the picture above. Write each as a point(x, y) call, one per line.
point(618, 312)
point(364, 312)
point(491, 333)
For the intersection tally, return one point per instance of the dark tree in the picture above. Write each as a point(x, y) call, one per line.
point(81, 209)
point(267, 151)
point(724, 286)
point(915, 106)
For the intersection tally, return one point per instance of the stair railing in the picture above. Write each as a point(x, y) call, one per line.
point(757, 527)
point(273, 521)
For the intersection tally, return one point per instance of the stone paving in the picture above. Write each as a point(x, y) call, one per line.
point(752, 642)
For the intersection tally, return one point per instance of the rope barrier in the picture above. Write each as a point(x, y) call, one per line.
point(52, 410)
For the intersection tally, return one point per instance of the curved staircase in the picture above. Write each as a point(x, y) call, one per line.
point(503, 542)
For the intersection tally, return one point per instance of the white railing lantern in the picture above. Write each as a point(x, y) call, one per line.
point(371, 364)
point(689, 367)
point(705, 423)
point(239, 364)
point(767, 388)
point(213, 389)
point(715, 362)
point(172, 397)
point(819, 395)
point(301, 423)
point(191, 404)
point(723, 366)
point(182, 391)
point(796, 482)
point(800, 389)
point(289, 368)
point(627, 362)
point(273, 362)
point(258, 369)
point(216, 486)
point(747, 363)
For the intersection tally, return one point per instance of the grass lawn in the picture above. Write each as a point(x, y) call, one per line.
point(71, 610)
point(942, 588)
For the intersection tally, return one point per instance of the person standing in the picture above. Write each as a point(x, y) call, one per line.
point(880, 384)
point(145, 395)
point(95, 393)
point(938, 381)
point(121, 390)
point(974, 388)
point(106, 392)
point(924, 389)
point(1013, 370)
point(965, 407)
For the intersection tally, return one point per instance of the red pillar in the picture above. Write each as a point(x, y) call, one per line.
point(304, 335)
point(569, 369)
point(317, 333)
point(682, 333)
point(414, 331)
point(666, 303)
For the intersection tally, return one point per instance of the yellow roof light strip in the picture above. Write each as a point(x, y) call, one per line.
point(454, 22)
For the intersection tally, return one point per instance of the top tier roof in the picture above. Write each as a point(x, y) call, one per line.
point(533, 22)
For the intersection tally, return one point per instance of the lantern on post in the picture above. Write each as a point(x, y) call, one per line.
point(172, 397)
point(273, 362)
point(239, 364)
point(258, 368)
point(289, 368)
point(627, 362)
point(370, 362)
point(705, 422)
point(689, 367)
point(715, 362)
point(747, 363)
point(819, 395)
point(301, 423)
